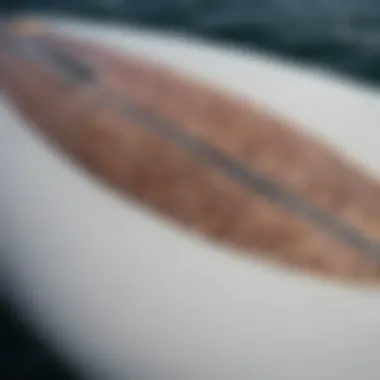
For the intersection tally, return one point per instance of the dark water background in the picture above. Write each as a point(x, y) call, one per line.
point(341, 34)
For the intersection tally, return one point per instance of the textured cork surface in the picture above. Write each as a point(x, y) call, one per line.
point(106, 135)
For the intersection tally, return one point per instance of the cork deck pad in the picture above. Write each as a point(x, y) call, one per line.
point(218, 165)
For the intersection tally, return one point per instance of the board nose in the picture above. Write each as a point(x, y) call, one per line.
point(25, 39)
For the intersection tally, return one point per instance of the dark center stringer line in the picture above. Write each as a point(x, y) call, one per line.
point(249, 178)
point(81, 73)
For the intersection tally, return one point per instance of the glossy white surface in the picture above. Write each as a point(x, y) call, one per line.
point(123, 294)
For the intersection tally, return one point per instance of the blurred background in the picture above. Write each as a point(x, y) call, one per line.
point(339, 35)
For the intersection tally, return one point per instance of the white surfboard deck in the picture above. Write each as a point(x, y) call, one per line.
point(124, 295)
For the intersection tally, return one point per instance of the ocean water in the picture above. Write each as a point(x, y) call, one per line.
point(342, 35)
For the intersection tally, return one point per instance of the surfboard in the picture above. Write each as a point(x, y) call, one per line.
point(141, 296)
